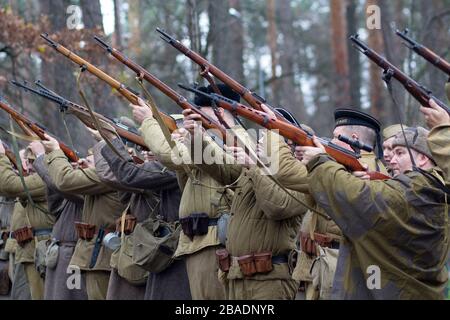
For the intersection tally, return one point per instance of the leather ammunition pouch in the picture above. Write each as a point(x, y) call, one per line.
point(309, 246)
point(255, 263)
point(23, 235)
point(261, 262)
point(196, 224)
point(85, 231)
point(130, 224)
point(223, 259)
point(88, 231)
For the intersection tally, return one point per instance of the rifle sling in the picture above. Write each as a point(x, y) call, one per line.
point(95, 120)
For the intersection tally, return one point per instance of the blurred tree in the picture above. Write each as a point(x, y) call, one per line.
point(341, 83)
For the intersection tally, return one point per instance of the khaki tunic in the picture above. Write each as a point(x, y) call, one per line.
point(439, 144)
point(206, 197)
point(26, 214)
point(388, 226)
point(101, 206)
point(264, 217)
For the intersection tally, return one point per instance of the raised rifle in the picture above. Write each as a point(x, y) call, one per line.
point(36, 128)
point(253, 99)
point(299, 136)
point(207, 122)
point(83, 114)
point(132, 97)
point(419, 92)
point(424, 52)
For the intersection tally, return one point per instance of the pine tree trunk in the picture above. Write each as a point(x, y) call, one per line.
point(340, 54)
point(92, 14)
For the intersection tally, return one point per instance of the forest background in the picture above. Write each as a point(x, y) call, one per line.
point(295, 53)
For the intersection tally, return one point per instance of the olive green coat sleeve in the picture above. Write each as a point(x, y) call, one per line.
point(73, 181)
point(11, 185)
point(439, 144)
point(156, 141)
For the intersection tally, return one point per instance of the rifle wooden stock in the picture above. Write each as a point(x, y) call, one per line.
point(297, 135)
point(425, 52)
point(252, 98)
point(207, 122)
point(130, 96)
point(419, 92)
point(37, 130)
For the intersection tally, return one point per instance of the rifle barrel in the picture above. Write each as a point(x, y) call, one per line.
point(424, 52)
point(37, 129)
point(289, 131)
point(253, 99)
point(180, 100)
point(126, 92)
point(419, 92)
point(83, 114)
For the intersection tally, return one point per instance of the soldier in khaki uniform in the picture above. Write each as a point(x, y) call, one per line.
point(100, 211)
point(439, 143)
point(388, 226)
point(30, 223)
point(320, 236)
point(203, 198)
point(264, 219)
point(388, 137)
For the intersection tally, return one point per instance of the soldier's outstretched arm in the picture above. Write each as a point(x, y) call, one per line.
point(355, 205)
point(276, 203)
point(66, 178)
point(150, 175)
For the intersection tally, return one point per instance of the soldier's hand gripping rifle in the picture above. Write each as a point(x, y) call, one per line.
point(36, 128)
point(207, 122)
point(253, 99)
point(83, 114)
point(289, 131)
point(419, 92)
point(126, 92)
point(424, 52)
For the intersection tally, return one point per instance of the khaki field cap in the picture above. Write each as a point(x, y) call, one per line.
point(391, 131)
point(417, 140)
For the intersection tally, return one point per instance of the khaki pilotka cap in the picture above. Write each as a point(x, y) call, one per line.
point(391, 131)
point(417, 140)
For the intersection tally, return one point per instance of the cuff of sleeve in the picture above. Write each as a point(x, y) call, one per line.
point(57, 154)
point(317, 161)
point(436, 129)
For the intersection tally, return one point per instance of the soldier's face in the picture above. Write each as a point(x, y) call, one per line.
point(400, 161)
point(388, 151)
